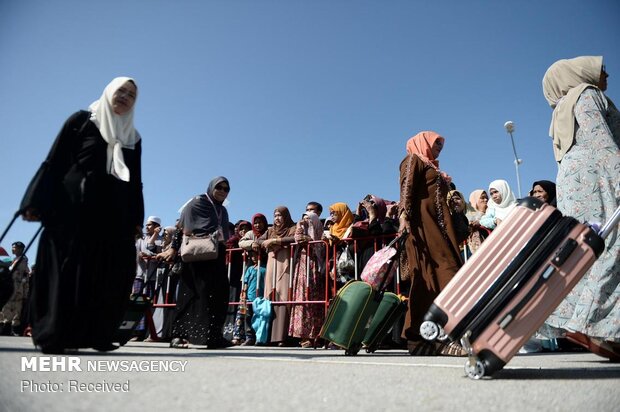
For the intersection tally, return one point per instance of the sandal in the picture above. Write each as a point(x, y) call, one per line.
point(422, 348)
point(596, 346)
point(451, 349)
point(179, 343)
point(307, 343)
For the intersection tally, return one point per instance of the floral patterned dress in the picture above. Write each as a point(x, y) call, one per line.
point(308, 285)
point(588, 188)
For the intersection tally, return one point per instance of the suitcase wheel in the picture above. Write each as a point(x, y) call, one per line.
point(474, 368)
point(443, 336)
point(429, 330)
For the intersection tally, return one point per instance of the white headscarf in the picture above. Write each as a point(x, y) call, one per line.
point(563, 83)
point(116, 130)
point(509, 201)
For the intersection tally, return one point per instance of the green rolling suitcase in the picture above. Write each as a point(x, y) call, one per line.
point(349, 314)
point(390, 309)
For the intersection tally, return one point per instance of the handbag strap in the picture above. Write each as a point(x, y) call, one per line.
point(219, 215)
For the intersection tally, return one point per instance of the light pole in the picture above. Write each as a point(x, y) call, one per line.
point(510, 127)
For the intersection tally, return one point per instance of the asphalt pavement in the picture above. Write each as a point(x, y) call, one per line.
point(153, 377)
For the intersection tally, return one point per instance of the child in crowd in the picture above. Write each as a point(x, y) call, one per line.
point(253, 287)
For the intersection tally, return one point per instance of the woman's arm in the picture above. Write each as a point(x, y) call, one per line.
point(590, 114)
point(246, 241)
point(45, 198)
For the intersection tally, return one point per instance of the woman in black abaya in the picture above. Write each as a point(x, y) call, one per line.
point(91, 177)
point(202, 300)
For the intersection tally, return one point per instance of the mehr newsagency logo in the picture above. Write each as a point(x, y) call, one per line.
point(75, 364)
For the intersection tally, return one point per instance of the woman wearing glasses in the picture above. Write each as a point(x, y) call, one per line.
point(203, 291)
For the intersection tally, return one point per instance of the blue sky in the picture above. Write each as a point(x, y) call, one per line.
point(294, 100)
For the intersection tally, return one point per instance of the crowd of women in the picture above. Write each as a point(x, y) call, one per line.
point(93, 170)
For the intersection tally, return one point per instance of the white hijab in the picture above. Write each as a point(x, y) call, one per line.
point(116, 130)
point(509, 201)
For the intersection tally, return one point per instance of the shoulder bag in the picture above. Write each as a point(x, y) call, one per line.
point(199, 248)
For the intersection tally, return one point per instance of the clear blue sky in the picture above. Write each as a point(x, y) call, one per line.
point(294, 100)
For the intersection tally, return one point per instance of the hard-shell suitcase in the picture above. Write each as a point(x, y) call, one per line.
point(507, 289)
point(391, 308)
point(351, 311)
point(348, 316)
point(139, 307)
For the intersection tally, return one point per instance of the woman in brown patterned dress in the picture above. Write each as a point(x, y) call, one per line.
point(431, 247)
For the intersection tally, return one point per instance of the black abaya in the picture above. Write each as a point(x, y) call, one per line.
point(86, 258)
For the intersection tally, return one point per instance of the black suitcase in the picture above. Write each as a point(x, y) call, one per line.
point(139, 307)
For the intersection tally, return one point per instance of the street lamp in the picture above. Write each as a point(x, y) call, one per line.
point(510, 127)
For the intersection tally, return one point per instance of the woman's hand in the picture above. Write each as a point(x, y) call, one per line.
point(167, 256)
point(270, 244)
point(31, 215)
point(370, 209)
point(404, 224)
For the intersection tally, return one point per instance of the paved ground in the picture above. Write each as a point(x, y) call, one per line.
point(295, 379)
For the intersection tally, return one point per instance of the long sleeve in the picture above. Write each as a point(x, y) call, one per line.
point(590, 112)
point(246, 241)
point(46, 193)
point(410, 167)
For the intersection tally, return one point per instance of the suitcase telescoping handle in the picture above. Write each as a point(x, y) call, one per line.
point(558, 260)
point(15, 216)
point(9, 226)
point(611, 224)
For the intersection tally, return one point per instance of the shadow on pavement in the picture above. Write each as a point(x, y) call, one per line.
point(563, 374)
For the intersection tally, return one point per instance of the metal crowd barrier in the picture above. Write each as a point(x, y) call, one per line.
point(329, 270)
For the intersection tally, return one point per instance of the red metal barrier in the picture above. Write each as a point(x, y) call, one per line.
point(292, 248)
point(331, 255)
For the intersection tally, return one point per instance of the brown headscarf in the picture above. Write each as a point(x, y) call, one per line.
point(563, 83)
point(285, 228)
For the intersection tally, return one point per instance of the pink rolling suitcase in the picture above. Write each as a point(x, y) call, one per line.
point(507, 289)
